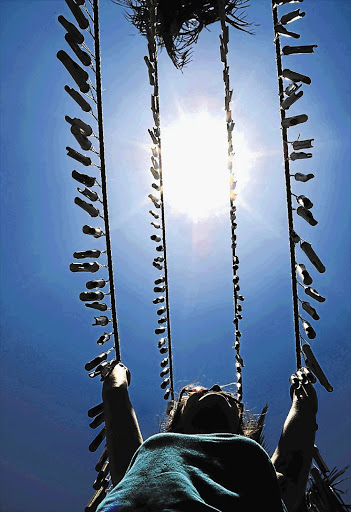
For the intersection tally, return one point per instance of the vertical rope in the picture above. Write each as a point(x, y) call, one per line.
point(288, 194)
point(103, 178)
point(224, 39)
point(153, 57)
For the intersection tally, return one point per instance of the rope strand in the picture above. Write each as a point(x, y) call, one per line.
point(103, 180)
point(151, 37)
point(288, 194)
point(224, 38)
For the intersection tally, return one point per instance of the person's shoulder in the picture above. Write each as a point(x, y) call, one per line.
point(163, 438)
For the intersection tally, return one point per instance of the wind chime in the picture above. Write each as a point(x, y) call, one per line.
point(176, 26)
point(320, 495)
point(87, 18)
point(150, 28)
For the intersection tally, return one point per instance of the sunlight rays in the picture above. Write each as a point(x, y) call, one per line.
point(196, 178)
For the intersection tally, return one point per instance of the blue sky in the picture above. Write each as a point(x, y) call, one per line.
point(46, 332)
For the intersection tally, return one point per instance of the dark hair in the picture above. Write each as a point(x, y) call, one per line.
point(251, 425)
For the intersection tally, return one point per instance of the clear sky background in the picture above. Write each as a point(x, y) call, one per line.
point(46, 332)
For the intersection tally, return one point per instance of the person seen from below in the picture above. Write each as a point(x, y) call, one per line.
point(207, 458)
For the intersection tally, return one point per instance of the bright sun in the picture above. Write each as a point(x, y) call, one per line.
point(194, 161)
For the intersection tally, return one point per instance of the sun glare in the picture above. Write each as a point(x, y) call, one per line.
point(195, 172)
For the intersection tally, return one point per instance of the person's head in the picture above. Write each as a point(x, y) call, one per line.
point(200, 410)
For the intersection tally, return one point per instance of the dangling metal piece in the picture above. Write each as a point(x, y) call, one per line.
point(288, 122)
point(85, 128)
point(95, 253)
point(72, 30)
point(78, 98)
point(281, 30)
point(104, 338)
point(306, 215)
point(95, 232)
point(101, 480)
point(97, 283)
point(101, 306)
point(89, 208)
point(94, 411)
point(89, 181)
point(299, 156)
point(101, 320)
point(302, 144)
point(309, 309)
point(283, 2)
point(290, 100)
point(292, 88)
point(291, 16)
point(82, 21)
point(83, 56)
point(79, 75)
point(304, 275)
point(314, 294)
point(293, 50)
point(85, 160)
point(97, 360)
point(90, 194)
point(96, 500)
point(94, 445)
point(294, 76)
point(82, 139)
point(158, 300)
point(302, 177)
point(312, 256)
point(100, 463)
point(311, 334)
point(304, 201)
point(85, 267)
point(313, 365)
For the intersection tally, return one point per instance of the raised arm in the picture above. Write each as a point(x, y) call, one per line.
point(293, 457)
point(123, 435)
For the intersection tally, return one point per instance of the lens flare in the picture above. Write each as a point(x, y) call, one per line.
point(197, 182)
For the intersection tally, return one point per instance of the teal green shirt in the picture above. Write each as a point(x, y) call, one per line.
point(197, 473)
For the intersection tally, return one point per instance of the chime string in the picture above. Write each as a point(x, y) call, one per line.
point(230, 125)
point(103, 180)
point(288, 194)
point(151, 36)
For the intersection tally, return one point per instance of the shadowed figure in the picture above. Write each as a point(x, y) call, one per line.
point(208, 457)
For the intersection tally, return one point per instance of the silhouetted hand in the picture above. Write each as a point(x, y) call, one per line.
point(302, 390)
point(118, 377)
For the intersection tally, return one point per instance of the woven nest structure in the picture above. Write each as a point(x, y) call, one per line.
point(179, 22)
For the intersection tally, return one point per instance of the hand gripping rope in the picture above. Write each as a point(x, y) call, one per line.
point(288, 96)
point(87, 17)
